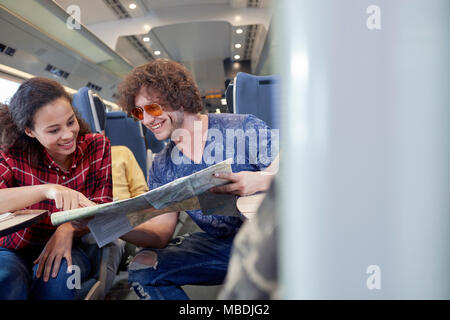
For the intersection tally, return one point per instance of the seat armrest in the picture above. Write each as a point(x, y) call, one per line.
point(249, 205)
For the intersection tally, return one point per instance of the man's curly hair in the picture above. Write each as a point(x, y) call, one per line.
point(170, 79)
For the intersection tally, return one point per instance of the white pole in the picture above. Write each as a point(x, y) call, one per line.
point(364, 178)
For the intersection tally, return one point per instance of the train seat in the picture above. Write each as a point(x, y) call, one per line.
point(125, 131)
point(229, 96)
point(257, 95)
point(105, 261)
point(83, 101)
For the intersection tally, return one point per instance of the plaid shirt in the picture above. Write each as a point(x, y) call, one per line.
point(90, 174)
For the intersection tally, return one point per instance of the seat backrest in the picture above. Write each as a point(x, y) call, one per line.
point(259, 96)
point(101, 111)
point(229, 96)
point(93, 111)
point(83, 101)
point(125, 131)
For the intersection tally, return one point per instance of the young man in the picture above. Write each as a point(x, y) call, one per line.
point(163, 95)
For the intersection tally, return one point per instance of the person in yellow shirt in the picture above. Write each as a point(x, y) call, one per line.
point(128, 179)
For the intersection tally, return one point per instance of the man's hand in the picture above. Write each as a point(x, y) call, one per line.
point(243, 183)
point(81, 226)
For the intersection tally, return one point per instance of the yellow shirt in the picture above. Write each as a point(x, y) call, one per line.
point(128, 179)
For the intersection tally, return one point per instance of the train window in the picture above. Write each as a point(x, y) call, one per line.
point(7, 89)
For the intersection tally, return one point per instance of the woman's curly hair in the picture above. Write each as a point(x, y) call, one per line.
point(32, 95)
point(170, 79)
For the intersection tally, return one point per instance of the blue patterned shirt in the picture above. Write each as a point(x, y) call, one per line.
point(245, 138)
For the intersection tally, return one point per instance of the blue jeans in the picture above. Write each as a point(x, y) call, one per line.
point(18, 276)
point(197, 258)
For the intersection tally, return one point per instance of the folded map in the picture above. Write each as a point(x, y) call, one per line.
point(114, 219)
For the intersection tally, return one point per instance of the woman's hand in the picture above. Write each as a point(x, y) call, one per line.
point(59, 246)
point(66, 198)
point(243, 183)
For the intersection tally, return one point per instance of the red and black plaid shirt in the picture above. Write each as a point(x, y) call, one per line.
point(90, 174)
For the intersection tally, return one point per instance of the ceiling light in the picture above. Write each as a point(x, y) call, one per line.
point(223, 102)
point(146, 39)
point(237, 45)
point(157, 53)
point(237, 57)
point(239, 31)
point(132, 6)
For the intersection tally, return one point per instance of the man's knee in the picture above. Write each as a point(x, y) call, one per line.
point(144, 260)
point(141, 272)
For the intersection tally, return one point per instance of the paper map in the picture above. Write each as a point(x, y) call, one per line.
point(114, 219)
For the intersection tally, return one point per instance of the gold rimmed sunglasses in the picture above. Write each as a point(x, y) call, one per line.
point(153, 109)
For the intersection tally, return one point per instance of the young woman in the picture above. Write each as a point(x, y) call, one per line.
point(48, 160)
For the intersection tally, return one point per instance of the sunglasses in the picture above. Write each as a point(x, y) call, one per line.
point(153, 109)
